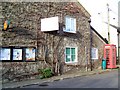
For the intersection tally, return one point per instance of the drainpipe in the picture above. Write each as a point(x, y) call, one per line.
point(86, 57)
point(118, 32)
point(90, 44)
point(118, 62)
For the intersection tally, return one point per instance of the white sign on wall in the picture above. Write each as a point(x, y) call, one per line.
point(50, 24)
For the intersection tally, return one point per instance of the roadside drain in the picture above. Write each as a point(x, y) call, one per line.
point(57, 80)
point(44, 84)
point(29, 85)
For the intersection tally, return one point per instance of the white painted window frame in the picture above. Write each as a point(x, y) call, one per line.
point(76, 54)
point(96, 53)
point(70, 23)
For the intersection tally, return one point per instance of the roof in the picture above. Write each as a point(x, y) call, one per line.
point(104, 39)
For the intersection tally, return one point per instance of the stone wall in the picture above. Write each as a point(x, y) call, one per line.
point(25, 30)
point(98, 43)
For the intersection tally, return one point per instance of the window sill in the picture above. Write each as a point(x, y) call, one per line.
point(71, 63)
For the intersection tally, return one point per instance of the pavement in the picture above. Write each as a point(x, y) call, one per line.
point(54, 78)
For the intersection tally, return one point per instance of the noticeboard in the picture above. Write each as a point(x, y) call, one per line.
point(17, 54)
point(5, 54)
point(30, 54)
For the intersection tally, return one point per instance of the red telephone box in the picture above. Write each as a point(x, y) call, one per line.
point(110, 55)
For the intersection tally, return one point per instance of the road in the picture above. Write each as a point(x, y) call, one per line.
point(104, 80)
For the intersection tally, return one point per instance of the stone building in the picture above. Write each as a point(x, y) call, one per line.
point(98, 43)
point(62, 50)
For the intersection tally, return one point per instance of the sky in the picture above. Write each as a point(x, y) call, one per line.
point(98, 11)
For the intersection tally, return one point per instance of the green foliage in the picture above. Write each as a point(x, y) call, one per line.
point(46, 73)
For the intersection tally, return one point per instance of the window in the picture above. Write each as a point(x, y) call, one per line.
point(94, 53)
point(70, 25)
point(70, 54)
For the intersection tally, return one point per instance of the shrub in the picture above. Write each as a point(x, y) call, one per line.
point(46, 73)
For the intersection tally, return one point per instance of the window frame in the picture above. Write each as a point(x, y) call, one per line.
point(74, 21)
point(76, 54)
point(96, 53)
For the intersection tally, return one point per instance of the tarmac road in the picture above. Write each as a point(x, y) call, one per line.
point(104, 80)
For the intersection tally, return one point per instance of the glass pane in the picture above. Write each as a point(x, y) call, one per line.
point(67, 50)
point(73, 51)
point(68, 24)
point(72, 24)
point(94, 53)
point(73, 57)
point(67, 58)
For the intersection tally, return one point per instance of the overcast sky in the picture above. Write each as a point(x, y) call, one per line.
point(100, 6)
